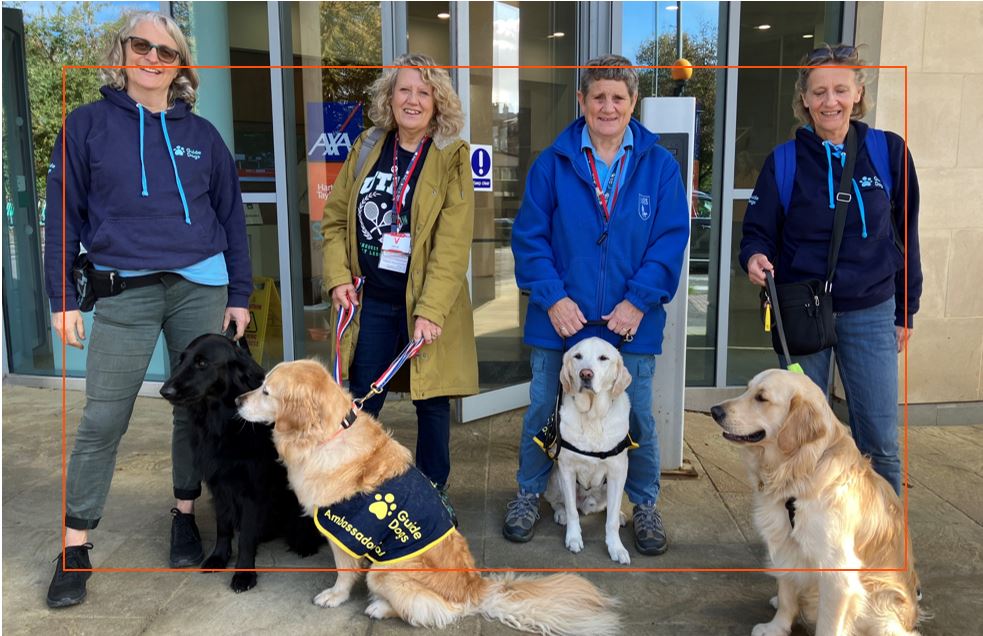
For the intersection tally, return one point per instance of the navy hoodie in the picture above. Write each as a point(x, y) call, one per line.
point(136, 201)
point(870, 269)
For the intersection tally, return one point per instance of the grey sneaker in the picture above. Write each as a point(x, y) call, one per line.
point(521, 515)
point(650, 536)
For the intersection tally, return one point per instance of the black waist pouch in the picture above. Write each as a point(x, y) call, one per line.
point(82, 271)
point(807, 316)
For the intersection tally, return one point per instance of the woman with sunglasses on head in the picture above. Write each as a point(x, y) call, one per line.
point(152, 193)
point(869, 287)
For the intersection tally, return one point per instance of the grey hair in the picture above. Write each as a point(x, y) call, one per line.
point(595, 71)
point(448, 117)
point(822, 56)
point(185, 84)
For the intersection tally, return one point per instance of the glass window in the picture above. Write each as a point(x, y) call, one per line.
point(774, 33)
point(649, 38)
point(518, 112)
point(428, 30)
point(331, 109)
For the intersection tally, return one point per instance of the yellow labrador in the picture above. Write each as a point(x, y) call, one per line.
point(592, 466)
point(818, 504)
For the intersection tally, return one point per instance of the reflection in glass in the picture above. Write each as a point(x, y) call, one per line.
point(518, 112)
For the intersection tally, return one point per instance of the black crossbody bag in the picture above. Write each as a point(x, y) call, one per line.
point(807, 306)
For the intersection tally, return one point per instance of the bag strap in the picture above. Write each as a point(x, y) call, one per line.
point(843, 199)
point(371, 139)
point(785, 172)
point(876, 142)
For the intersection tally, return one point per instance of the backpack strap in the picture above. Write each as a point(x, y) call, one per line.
point(877, 151)
point(785, 172)
point(371, 139)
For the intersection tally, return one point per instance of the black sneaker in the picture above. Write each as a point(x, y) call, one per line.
point(186, 548)
point(447, 503)
point(521, 515)
point(650, 536)
point(68, 588)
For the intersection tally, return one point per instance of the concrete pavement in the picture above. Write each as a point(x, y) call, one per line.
point(707, 518)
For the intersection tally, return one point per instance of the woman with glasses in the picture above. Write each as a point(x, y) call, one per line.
point(151, 192)
point(869, 286)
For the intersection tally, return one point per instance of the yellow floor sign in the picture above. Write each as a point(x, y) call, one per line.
point(265, 331)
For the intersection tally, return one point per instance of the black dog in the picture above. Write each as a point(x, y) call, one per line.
point(236, 458)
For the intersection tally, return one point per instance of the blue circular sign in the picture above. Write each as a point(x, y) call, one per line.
point(480, 162)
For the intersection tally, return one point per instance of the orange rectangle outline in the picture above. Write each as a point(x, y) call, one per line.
point(64, 381)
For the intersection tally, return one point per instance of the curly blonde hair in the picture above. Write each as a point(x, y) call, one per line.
point(185, 84)
point(448, 118)
point(835, 54)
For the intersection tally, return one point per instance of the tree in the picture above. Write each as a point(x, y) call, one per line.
point(57, 35)
point(700, 50)
point(350, 35)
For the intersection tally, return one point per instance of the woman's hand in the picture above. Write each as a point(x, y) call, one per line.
point(343, 296)
point(757, 265)
point(566, 317)
point(903, 336)
point(426, 329)
point(241, 317)
point(625, 318)
point(69, 327)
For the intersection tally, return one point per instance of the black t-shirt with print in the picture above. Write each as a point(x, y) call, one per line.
point(375, 216)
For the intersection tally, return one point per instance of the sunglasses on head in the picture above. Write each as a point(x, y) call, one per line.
point(143, 47)
point(826, 53)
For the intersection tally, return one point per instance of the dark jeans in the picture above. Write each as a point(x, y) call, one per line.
point(124, 333)
point(382, 335)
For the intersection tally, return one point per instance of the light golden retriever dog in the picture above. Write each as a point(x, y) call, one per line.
point(327, 464)
point(593, 418)
point(819, 504)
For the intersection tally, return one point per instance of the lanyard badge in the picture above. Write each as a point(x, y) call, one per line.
point(395, 250)
point(602, 196)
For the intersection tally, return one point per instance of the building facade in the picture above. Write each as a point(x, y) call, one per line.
point(288, 126)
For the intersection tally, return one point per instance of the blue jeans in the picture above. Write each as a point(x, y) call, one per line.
point(643, 462)
point(381, 336)
point(867, 356)
point(125, 329)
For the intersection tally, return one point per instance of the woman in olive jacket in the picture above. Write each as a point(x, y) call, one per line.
point(412, 252)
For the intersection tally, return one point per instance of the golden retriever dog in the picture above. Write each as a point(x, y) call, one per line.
point(594, 419)
point(819, 504)
point(328, 465)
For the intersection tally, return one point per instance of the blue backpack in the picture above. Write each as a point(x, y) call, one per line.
point(876, 149)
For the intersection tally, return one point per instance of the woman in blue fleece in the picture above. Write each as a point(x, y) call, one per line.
point(600, 235)
point(152, 192)
point(869, 289)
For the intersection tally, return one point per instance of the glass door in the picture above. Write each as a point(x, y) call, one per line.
point(517, 112)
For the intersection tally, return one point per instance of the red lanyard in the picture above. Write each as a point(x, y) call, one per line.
point(602, 196)
point(399, 187)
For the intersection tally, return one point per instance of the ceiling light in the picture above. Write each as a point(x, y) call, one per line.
point(558, 34)
point(763, 27)
point(807, 36)
point(443, 15)
point(671, 7)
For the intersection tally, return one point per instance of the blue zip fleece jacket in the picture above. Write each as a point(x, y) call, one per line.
point(870, 268)
point(556, 240)
point(156, 191)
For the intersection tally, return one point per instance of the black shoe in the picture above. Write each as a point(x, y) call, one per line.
point(186, 548)
point(447, 504)
point(521, 515)
point(650, 536)
point(68, 588)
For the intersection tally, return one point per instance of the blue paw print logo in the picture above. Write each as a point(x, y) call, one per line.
point(179, 151)
point(866, 182)
point(383, 507)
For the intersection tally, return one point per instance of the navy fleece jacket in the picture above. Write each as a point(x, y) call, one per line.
point(155, 191)
point(556, 240)
point(870, 268)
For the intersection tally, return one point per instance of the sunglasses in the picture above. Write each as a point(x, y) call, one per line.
point(143, 47)
point(826, 53)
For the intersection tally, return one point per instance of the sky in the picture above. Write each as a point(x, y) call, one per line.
point(639, 21)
